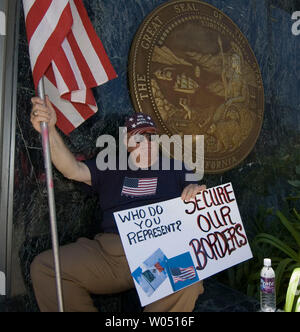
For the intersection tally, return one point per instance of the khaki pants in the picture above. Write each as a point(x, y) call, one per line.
point(96, 266)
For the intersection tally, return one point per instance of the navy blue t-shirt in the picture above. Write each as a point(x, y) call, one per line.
point(121, 190)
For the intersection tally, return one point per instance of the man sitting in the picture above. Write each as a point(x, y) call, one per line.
point(99, 266)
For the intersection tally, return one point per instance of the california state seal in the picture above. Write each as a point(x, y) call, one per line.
point(193, 70)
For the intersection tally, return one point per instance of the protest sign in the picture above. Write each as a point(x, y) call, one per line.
point(173, 244)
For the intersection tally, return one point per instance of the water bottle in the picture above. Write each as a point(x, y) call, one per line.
point(267, 287)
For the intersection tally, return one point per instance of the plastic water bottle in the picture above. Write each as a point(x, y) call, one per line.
point(267, 287)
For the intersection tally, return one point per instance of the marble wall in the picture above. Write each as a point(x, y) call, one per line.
point(260, 180)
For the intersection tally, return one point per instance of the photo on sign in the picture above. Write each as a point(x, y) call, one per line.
point(152, 273)
point(181, 271)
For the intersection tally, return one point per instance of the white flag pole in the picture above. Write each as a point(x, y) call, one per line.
point(51, 201)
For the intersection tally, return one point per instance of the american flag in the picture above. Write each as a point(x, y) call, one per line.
point(65, 49)
point(139, 187)
point(183, 274)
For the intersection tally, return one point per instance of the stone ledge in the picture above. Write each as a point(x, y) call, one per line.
point(216, 298)
point(221, 298)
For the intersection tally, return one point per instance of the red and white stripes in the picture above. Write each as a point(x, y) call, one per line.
point(65, 48)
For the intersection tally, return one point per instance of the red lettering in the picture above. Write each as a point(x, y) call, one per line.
point(228, 193)
point(214, 241)
point(204, 198)
point(214, 197)
point(218, 224)
point(222, 245)
point(195, 244)
point(200, 223)
point(228, 231)
point(222, 194)
point(194, 206)
point(239, 228)
point(216, 245)
point(225, 213)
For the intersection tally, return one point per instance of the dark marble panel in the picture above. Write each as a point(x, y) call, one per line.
point(260, 180)
point(220, 298)
point(216, 298)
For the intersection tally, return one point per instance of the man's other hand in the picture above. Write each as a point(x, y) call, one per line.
point(190, 192)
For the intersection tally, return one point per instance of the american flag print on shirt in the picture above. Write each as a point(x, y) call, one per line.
point(139, 187)
point(183, 274)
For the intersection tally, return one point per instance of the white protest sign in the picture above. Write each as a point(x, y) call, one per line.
point(174, 244)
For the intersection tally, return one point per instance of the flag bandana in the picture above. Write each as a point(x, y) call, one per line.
point(65, 49)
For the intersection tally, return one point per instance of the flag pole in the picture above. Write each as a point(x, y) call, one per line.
point(51, 201)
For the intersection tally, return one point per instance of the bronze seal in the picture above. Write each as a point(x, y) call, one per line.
point(193, 70)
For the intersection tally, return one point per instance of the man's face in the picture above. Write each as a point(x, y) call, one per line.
point(143, 149)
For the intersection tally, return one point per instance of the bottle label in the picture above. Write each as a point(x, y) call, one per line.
point(267, 285)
